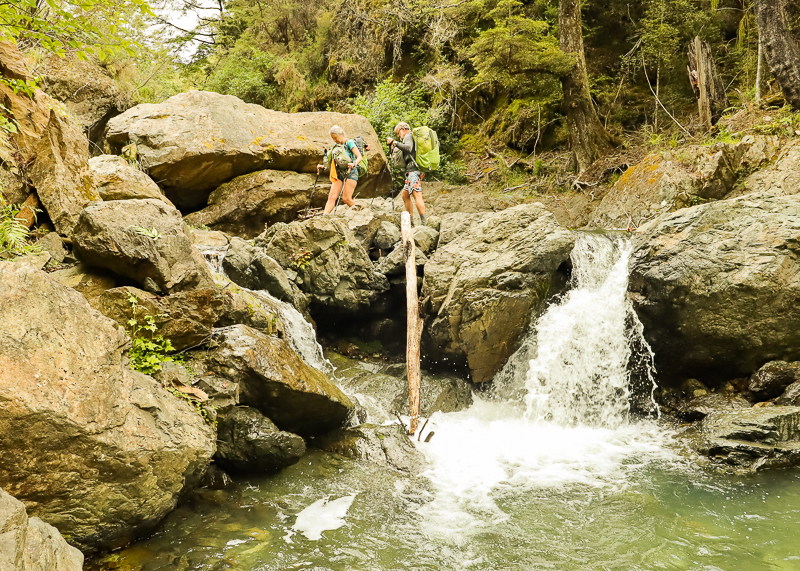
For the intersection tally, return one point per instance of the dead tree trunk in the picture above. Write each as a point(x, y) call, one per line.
point(782, 53)
point(414, 328)
point(758, 71)
point(708, 86)
point(588, 138)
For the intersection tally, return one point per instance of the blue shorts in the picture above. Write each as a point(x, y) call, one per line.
point(413, 183)
point(352, 175)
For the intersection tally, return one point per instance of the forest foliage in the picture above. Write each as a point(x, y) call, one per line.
point(483, 70)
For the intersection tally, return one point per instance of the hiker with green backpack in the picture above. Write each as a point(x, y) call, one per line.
point(418, 151)
point(346, 161)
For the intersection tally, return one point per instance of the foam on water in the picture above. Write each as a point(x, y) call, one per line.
point(323, 515)
point(568, 425)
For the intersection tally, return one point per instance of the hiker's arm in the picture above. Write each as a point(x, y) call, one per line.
point(405, 147)
point(358, 158)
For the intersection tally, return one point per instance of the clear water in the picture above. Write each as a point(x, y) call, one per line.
point(554, 475)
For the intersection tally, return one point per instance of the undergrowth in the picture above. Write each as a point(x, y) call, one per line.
point(14, 234)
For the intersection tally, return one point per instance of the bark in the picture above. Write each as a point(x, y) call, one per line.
point(588, 137)
point(708, 86)
point(414, 328)
point(782, 54)
point(759, 72)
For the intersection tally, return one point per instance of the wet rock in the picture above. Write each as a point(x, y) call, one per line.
point(275, 380)
point(215, 478)
point(250, 442)
point(701, 406)
point(753, 439)
point(54, 246)
point(197, 140)
point(481, 288)
point(91, 282)
point(115, 179)
point(185, 318)
point(145, 240)
point(334, 271)
point(252, 268)
point(245, 205)
point(93, 448)
point(771, 379)
point(387, 235)
point(29, 544)
point(384, 445)
point(717, 286)
point(790, 396)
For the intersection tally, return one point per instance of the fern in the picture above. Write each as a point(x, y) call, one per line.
point(14, 233)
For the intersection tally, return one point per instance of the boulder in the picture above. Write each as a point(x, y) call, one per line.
point(48, 151)
point(457, 223)
point(701, 406)
point(145, 240)
point(790, 396)
point(99, 451)
point(717, 286)
point(780, 178)
point(772, 379)
point(88, 92)
point(387, 235)
point(246, 204)
point(365, 218)
point(395, 263)
point(481, 289)
point(29, 544)
point(90, 282)
point(334, 271)
point(425, 238)
point(115, 179)
point(252, 268)
point(54, 246)
point(250, 442)
point(195, 141)
point(388, 446)
point(753, 439)
point(185, 318)
point(275, 380)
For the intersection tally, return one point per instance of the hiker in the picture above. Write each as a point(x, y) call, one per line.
point(413, 180)
point(344, 159)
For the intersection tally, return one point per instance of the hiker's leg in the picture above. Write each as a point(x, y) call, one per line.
point(407, 202)
point(419, 202)
point(347, 195)
point(332, 196)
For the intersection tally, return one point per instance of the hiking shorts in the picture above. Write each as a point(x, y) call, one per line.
point(352, 175)
point(413, 183)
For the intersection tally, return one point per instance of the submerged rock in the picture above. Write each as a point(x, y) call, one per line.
point(753, 439)
point(481, 288)
point(250, 442)
point(717, 286)
point(385, 445)
point(197, 140)
point(145, 240)
point(29, 544)
point(275, 380)
point(93, 448)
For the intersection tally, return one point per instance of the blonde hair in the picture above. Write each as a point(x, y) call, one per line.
point(336, 130)
point(402, 125)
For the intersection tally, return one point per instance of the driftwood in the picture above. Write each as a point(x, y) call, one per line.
point(707, 84)
point(414, 328)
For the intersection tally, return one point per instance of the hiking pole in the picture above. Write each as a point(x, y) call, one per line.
point(312, 194)
point(341, 192)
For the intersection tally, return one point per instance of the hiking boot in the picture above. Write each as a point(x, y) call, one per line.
point(424, 219)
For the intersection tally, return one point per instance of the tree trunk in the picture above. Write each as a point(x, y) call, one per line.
point(758, 72)
point(708, 86)
point(588, 138)
point(783, 55)
point(414, 327)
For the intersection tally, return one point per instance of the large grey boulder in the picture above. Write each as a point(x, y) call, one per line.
point(243, 206)
point(185, 318)
point(99, 451)
point(29, 544)
point(753, 439)
point(387, 235)
point(481, 289)
point(717, 286)
point(274, 379)
point(145, 240)
point(456, 223)
point(250, 442)
point(115, 179)
point(195, 141)
point(333, 269)
point(252, 268)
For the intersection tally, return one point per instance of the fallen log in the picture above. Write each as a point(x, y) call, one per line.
point(414, 327)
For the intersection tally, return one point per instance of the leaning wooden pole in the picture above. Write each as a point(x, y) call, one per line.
point(414, 333)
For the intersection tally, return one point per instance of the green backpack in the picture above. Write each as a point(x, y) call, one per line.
point(342, 157)
point(427, 148)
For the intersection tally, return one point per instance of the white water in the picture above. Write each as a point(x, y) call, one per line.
point(568, 425)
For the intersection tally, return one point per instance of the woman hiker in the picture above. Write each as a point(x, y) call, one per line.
point(344, 159)
point(413, 184)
